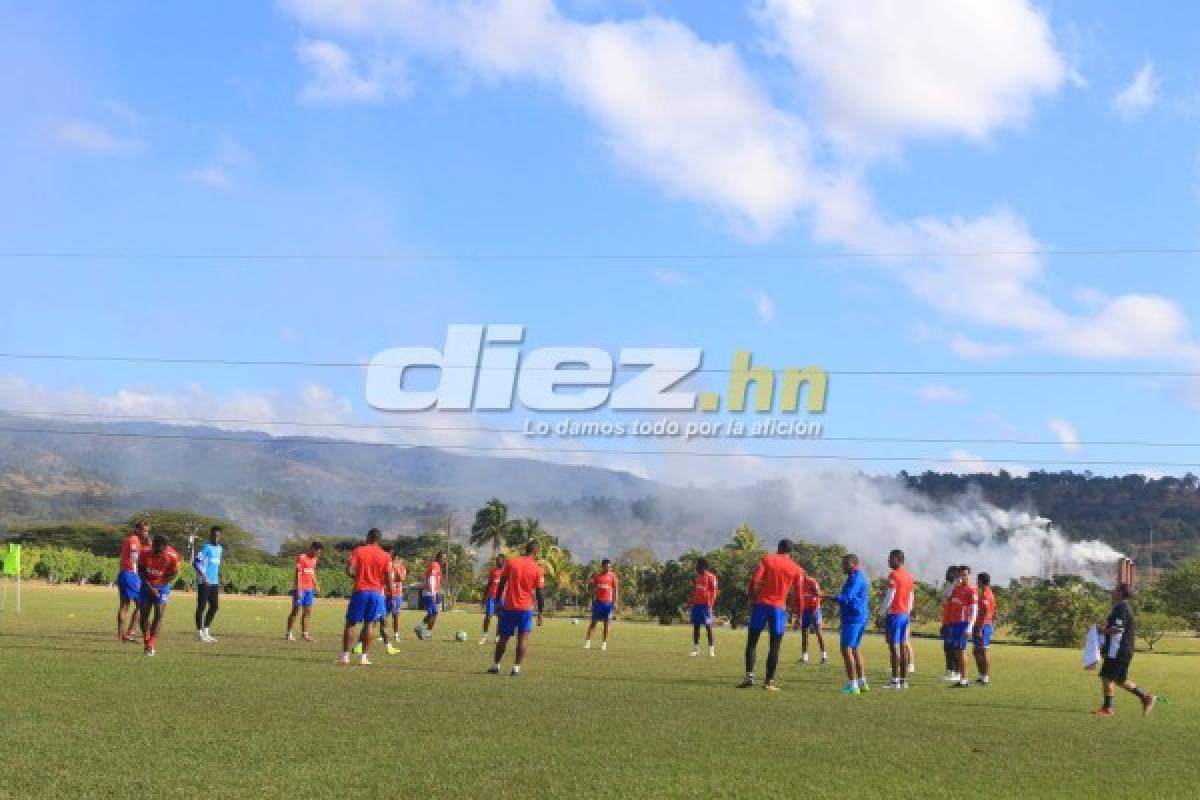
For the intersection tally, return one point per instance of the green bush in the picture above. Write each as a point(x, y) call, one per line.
point(1057, 613)
point(57, 565)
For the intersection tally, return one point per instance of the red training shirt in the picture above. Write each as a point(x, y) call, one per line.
point(704, 589)
point(371, 563)
point(522, 576)
point(777, 575)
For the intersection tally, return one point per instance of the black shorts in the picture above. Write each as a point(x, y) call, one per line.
point(1116, 669)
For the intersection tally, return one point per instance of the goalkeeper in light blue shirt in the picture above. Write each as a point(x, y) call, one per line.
point(208, 583)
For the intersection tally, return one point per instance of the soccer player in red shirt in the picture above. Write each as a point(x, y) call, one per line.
point(520, 584)
point(395, 602)
point(129, 583)
point(157, 569)
point(897, 609)
point(808, 616)
point(704, 600)
point(983, 628)
point(606, 598)
point(964, 606)
point(370, 567)
point(947, 622)
point(304, 590)
point(773, 579)
point(491, 596)
point(431, 595)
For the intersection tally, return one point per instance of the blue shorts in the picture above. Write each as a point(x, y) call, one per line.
point(129, 586)
point(303, 598)
point(702, 615)
point(365, 607)
point(810, 619)
point(514, 622)
point(768, 616)
point(956, 636)
point(983, 636)
point(164, 594)
point(490, 607)
point(395, 604)
point(896, 628)
point(852, 633)
point(602, 612)
point(429, 602)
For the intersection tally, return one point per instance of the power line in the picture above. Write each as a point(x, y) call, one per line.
point(68, 415)
point(1080, 252)
point(967, 373)
point(582, 450)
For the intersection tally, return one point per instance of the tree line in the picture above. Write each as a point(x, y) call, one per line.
point(1055, 612)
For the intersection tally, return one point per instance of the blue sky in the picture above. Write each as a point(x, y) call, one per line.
point(754, 160)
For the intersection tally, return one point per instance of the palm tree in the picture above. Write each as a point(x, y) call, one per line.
point(491, 526)
point(561, 571)
point(530, 529)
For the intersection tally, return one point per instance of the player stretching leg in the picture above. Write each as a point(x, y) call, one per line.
point(158, 569)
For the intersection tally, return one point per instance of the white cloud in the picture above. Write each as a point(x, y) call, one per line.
point(313, 404)
point(335, 78)
point(1139, 96)
point(968, 348)
point(670, 278)
point(690, 116)
point(763, 306)
point(683, 112)
point(1067, 435)
point(218, 174)
point(92, 137)
point(941, 393)
point(212, 177)
point(986, 270)
point(963, 461)
point(885, 70)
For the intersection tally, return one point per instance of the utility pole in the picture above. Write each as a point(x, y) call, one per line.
point(1151, 559)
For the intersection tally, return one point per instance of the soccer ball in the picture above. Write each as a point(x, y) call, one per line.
point(461, 636)
point(574, 622)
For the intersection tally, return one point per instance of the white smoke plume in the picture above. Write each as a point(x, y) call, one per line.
point(873, 515)
point(869, 515)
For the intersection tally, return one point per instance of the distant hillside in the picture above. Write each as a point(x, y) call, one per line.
point(273, 485)
point(1127, 511)
point(280, 486)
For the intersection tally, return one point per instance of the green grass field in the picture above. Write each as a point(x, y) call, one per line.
point(254, 716)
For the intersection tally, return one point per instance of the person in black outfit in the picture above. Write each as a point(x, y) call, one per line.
point(1119, 638)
